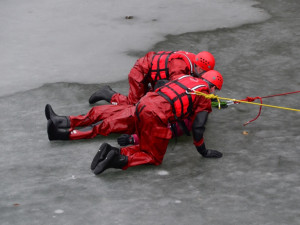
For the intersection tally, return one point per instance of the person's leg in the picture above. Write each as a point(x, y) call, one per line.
point(121, 121)
point(137, 89)
point(108, 157)
point(96, 114)
point(56, 120)
point(154, 136)
point(116, 119)
point(136, 156)
point(111, 157)
point(104, 93)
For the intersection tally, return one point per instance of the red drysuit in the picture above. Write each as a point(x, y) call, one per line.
point(147, 70)
point(103, 120)
point(177, 131)
point(154, 112)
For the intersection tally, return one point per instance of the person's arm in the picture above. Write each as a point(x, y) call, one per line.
point(143, 64)
point(198, 129)
point(138, 83)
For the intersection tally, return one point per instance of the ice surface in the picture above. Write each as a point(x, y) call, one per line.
point(47, 41)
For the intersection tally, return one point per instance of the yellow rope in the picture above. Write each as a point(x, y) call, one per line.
point(212, 96)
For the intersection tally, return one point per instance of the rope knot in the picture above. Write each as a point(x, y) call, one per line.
point(248, 99)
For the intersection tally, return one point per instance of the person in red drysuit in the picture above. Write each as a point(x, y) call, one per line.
point(152, 67)
point(103, 120)
point(172, 102)
point(100, 120)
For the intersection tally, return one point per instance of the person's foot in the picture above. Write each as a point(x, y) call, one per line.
point(104, 149)
point(108, 157)
point(105, 93)
point(49, 112)
point(55, 133)
point(59, 121)
point(104, 164)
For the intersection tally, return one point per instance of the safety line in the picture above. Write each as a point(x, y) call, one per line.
point(254, 103)
point(212, 96)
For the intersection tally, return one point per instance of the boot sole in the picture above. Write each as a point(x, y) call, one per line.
point(103, 165)
point(99, 156)
point(50, 129)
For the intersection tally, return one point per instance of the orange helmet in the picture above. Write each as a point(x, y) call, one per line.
point(205, 60)
point(213, 77)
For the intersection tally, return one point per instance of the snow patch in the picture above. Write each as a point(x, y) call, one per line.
point(163, 173)
point(59, 211)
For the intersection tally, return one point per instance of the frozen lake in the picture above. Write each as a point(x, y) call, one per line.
point(59, 52)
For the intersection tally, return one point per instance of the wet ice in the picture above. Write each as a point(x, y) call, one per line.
point(257, 180)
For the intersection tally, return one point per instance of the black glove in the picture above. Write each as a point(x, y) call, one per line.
point(208, 153)
point(125, 139)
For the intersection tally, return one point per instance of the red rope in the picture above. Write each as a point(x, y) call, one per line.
point(287, 93)
point(252, 99)
point(258, 111)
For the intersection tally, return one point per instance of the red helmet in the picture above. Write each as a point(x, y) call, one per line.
point(205, 60)
point(214, 77)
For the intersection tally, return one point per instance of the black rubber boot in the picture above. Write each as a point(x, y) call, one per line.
point(105, 93)
point(112, 160)
point(104, 149)
point(119, 162)
point(55, 133)
point(59, 121)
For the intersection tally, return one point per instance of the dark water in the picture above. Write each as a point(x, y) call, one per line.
point(256, 182)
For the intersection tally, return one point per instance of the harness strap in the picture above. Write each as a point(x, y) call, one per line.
point(184, 128)
point(190, 107)
point(169, 100)
point(158, 69)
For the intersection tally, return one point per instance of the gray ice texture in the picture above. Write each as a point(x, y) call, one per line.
point(61, 51)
